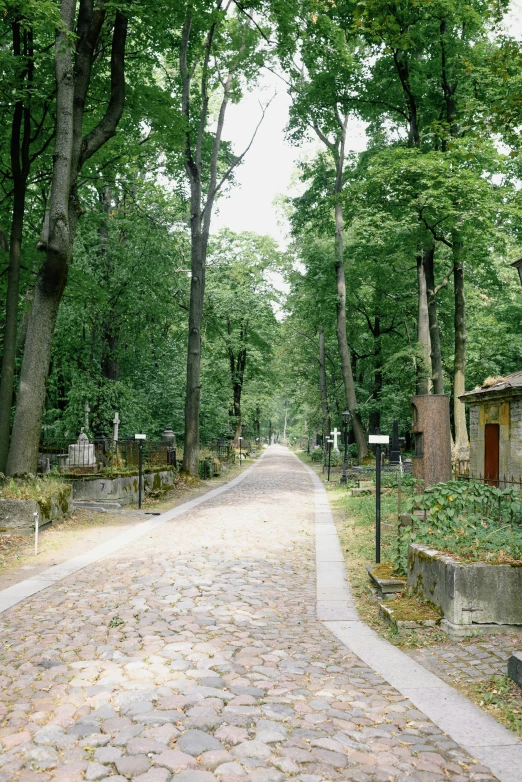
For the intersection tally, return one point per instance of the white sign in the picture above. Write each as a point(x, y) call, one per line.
point(378, 439)
point(140, 436)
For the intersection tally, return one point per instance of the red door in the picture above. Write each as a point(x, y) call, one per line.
point(491, 449)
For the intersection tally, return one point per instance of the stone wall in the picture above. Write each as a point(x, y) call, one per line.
point(470, 596)
point(122, 489)
point(17, 516)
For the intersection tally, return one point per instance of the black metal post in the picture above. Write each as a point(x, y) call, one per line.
point(344, 476)
point(140, 470)
point(378, 502)
point(240, 456)
point(329, 459)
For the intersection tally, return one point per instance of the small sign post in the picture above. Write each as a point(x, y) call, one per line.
point(36, 523)
point(378, 440)
point(140, 438)
point(240, 454)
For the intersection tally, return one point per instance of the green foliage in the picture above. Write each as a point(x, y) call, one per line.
point(474, 521)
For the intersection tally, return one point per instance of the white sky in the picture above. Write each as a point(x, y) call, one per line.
point(269, 166)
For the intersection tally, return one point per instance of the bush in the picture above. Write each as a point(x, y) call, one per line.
point(471, 520)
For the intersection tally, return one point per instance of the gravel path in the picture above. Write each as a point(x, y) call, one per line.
point(195, 654)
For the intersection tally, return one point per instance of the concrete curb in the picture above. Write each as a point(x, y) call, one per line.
point(18, 592)
point(476, 732)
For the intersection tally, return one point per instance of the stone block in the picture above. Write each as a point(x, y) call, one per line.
point(387, 588)
point(514, 669)
point(17, 516)
point(467, 594)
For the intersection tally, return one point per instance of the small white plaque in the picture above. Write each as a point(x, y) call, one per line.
point(379, 439)
point(140, 436)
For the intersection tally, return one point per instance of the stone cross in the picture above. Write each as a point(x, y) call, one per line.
point(335, 435)
point(116, 423)
point(87, 410)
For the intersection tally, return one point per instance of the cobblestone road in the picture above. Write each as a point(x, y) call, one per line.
point(195, 655)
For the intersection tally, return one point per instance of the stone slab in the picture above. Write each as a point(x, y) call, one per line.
point(514, 669)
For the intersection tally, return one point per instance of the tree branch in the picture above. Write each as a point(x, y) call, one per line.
point(106, 128)
point(240, 157)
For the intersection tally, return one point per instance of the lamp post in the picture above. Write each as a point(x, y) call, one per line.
point(140, 438)
point(346, 418)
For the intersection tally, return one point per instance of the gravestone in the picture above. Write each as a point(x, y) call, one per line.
point(116, 427)
point(81, 453)
point(335, 434)
point(395, 452)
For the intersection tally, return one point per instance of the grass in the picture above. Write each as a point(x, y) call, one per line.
point(36, 488)
point(500, 697)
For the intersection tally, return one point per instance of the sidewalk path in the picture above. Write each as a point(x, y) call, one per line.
point(196, 651)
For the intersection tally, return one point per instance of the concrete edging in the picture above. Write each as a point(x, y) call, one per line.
point(15, 594)
point(476, 732)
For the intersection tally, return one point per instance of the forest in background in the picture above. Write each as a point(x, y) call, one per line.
point(120, 295)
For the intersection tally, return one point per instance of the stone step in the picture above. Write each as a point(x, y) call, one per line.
point(98, 506)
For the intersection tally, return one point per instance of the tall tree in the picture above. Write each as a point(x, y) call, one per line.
point(324, 105)
point(217, 52)
point(73, 147)
point(29, 137)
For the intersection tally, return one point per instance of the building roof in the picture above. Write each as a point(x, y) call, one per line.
point(501, 386)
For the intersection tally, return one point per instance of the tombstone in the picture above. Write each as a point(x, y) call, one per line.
point(431, 429)
point(115, 427)
point(81, 453)
point(319, 439)
point(87, 410)
point(395, 451)
point(335, 434)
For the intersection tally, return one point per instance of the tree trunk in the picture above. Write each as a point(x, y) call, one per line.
point(193, 394)
point(23, 453)
point(461, 448)
point(325, 418)
point(70, 153)
point(375, 415)
point(110, 337)
point(423, 332)
point(436, 357)
point(11, 321)
point(344, 350)
point(237, 412)
point(20, 165)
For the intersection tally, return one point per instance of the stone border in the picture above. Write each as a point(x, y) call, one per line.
point(474, 730)
point(18, 592)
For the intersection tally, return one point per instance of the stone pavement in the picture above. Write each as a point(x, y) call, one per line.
point(195, 654)
point(469, 660)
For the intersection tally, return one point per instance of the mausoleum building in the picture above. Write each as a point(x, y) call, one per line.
point(495, 428)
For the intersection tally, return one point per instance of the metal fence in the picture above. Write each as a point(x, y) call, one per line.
point(221, 448)
point(85, 456)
